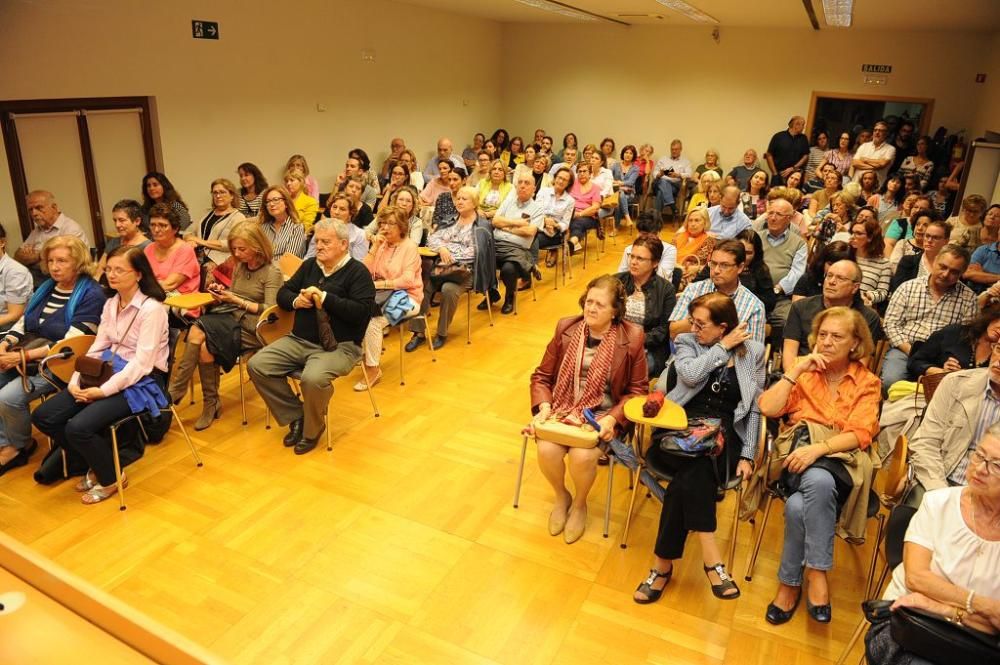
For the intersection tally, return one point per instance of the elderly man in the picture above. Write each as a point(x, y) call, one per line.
point(725, 264)
point(333, 296)
point(396, 148)
point(840, 289)
point(876, 155)
point(784, 254)
point(444, 151)
point(515, 224)
point(727, 218)
point(787, 151)
point(921, 306)
point(48, 222)
point(741, 174)
point(671, 172)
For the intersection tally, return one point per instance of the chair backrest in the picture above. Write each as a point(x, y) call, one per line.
point(63, 355)
point(896, 472)
point(274, 323)
point(930, 383)
point(875, 362)
point(289, 264)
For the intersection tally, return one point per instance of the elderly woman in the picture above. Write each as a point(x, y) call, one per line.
point(15, 284)
point(394, 264)
point(209, 237)
point(174, 262)
point(132, 336)
point(252, 183)
point(594, 361)
point(957, 346)
point(157, 188)
point(127, 217)
point(493, 190)
point(951, 555)
point(694, 245)
point(452, 275)
point(587, 202)
point(66, 304)
point(868, 251)
point(700, 198)
point(540, 172)
point(835, 218)
point(306, 207)
point(832, 402)
point(280, 223)
point(719, 373)
point(228, 329)
point(649, 299)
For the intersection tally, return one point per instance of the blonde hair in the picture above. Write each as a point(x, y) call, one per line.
point(703, 214)
point(865, 346)
point(78, 252)
point(295, 174)
point(297, 159)
point(230, 187)
point(250, 232)
point(471, 192)
point(707, 178)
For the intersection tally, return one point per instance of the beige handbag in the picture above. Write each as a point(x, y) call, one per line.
point(574, 436)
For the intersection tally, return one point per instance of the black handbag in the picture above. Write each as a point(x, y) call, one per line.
point(940, 641)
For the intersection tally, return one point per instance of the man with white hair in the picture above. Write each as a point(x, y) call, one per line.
point(48, 222)
point(444, 151)
point(333, 297)
point(515, 224)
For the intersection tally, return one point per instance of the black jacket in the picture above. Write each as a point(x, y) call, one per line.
point(947, 342)
point(907, 269)
point(660, 301)
point(350, 297)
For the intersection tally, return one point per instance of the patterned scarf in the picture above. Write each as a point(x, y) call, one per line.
point(569, 397)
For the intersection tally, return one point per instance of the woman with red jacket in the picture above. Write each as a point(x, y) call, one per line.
point(596, 361)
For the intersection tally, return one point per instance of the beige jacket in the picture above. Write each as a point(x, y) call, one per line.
point(948, 426)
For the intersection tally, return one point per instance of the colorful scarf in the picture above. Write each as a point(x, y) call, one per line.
point(569, 398)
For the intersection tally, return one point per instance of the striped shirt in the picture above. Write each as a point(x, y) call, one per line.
point(913, 315)
point(53, 306)
point(749, 308)
point(989, 415)
point(289, 239)
point(876, 272)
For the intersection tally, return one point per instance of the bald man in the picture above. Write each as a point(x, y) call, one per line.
point(444, 151)
point(788, 150)
point(48, 222)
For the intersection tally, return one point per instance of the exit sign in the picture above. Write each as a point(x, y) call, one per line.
point(876, 69)
point(205, 29)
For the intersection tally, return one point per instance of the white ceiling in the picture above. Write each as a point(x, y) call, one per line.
point(932, 15)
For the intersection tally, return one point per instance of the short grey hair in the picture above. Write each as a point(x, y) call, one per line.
point(957, 251)
point(335, 225)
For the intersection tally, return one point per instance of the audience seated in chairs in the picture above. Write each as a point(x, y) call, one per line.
point(957, 346)
point(515, 224)
point(950, 556)
point(280, 223)
point(694, 245)
point(649, 299)
point(557, 210)
point(332, 296)
point(832, 401)
point(813, 281)
point(243, 287)
point(209, 235)
point(173, 261)
point(594, 361)
point(493, 190)
point(127, 217)
point(66, 304)
point(132, 337)
point(587, 197)
point(648, 225)
point(394, 265)
point(868, 251)
point(444, 205)
point(720, 374)
point(920, 263)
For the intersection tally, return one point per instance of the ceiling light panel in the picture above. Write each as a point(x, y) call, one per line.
point(838, 13)
point(557, 9)
point(689, 11)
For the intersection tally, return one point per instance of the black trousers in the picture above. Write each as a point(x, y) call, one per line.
point(510, 272)
point(689, 501)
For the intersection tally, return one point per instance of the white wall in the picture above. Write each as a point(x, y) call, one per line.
point(653, 84)
point(252, 95)
point(988, 112)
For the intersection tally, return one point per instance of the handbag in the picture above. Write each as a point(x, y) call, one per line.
point(574, 436)
point(456, 273)
point(24, 366)
point(941, 641)
point(702, 437)
point(95, 371)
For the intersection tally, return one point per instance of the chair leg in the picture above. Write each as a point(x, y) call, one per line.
point(607, 504)
point(267, 418)
point(243, 399)
point(631, 505)
point(759, 539)
point(855, 636)
point(371, 396)
point(468, 317)
point(402, 379)
point(735, 529)
point(489, 306)
point(180, 423)
point(871, 567)
point(520, 471)
point(427, 338)
point(118, 469)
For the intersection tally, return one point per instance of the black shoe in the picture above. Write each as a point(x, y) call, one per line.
point(20, 459)
point(294, 433)
point(646, 588)
point(415, 342)
point(725, 584)
point(777, 616)
point(537, 274)
point(482, 306)
point(438, 342)
point(820, 613)
point(305, 444)
point(508, 307)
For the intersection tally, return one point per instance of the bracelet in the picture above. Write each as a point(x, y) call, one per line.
point(969, 609)
point(958, 616)
point(789, 379)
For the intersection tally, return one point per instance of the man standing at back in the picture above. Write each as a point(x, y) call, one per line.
point(788, 150)
point(876, 155)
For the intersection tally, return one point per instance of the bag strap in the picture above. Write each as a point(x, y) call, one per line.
point(22, 369)
point(125, 334)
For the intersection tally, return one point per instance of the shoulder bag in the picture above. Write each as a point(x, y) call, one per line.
point(941, 641)
point(94, 372)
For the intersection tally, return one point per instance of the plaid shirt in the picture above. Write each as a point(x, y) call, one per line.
point(749, 308)
point(913, 315)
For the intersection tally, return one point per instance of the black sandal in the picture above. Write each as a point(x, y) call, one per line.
point(653, 595)
point(726, 584)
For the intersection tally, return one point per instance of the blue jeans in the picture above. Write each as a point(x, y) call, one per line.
point(893, 368)
point(810, 518)
point(665, 192)
point(621, 212)
point(15, 419)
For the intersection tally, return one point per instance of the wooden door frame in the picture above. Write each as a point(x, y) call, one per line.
point(925, 119)
point(80, 106)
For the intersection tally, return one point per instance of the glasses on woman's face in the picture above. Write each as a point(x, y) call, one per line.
point(992, 465)
point(698, 325)
point(275, 201)
point(118, 272)
point(635, 257)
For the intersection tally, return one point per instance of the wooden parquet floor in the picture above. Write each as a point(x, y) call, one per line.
point(401, 546)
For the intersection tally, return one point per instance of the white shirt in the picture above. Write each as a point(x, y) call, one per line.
point(63, 226)
point(559, 208)
point(681, 165)
point(869, 151)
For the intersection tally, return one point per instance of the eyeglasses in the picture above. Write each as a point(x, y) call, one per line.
point(992, 465)
point(782, 215)
point(633, 257)
point(273, 201)
point(715, 265)
point(933, 238)
point(696, 324)
point(118, 272)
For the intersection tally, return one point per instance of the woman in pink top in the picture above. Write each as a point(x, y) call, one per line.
point(587, 202)
point(394, 263)
point(173, 261)
point(132, 336)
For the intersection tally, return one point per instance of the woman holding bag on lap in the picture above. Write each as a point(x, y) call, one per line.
point(132, 337)
point(595, 361)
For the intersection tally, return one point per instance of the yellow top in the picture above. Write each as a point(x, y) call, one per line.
point(306, 207)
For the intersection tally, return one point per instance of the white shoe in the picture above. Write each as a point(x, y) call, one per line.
point(361, 386)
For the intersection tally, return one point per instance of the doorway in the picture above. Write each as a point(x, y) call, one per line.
point(837, 113)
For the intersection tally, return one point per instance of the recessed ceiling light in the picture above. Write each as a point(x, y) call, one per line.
point(556, 8)
point(692, 13)
point(838, 13)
